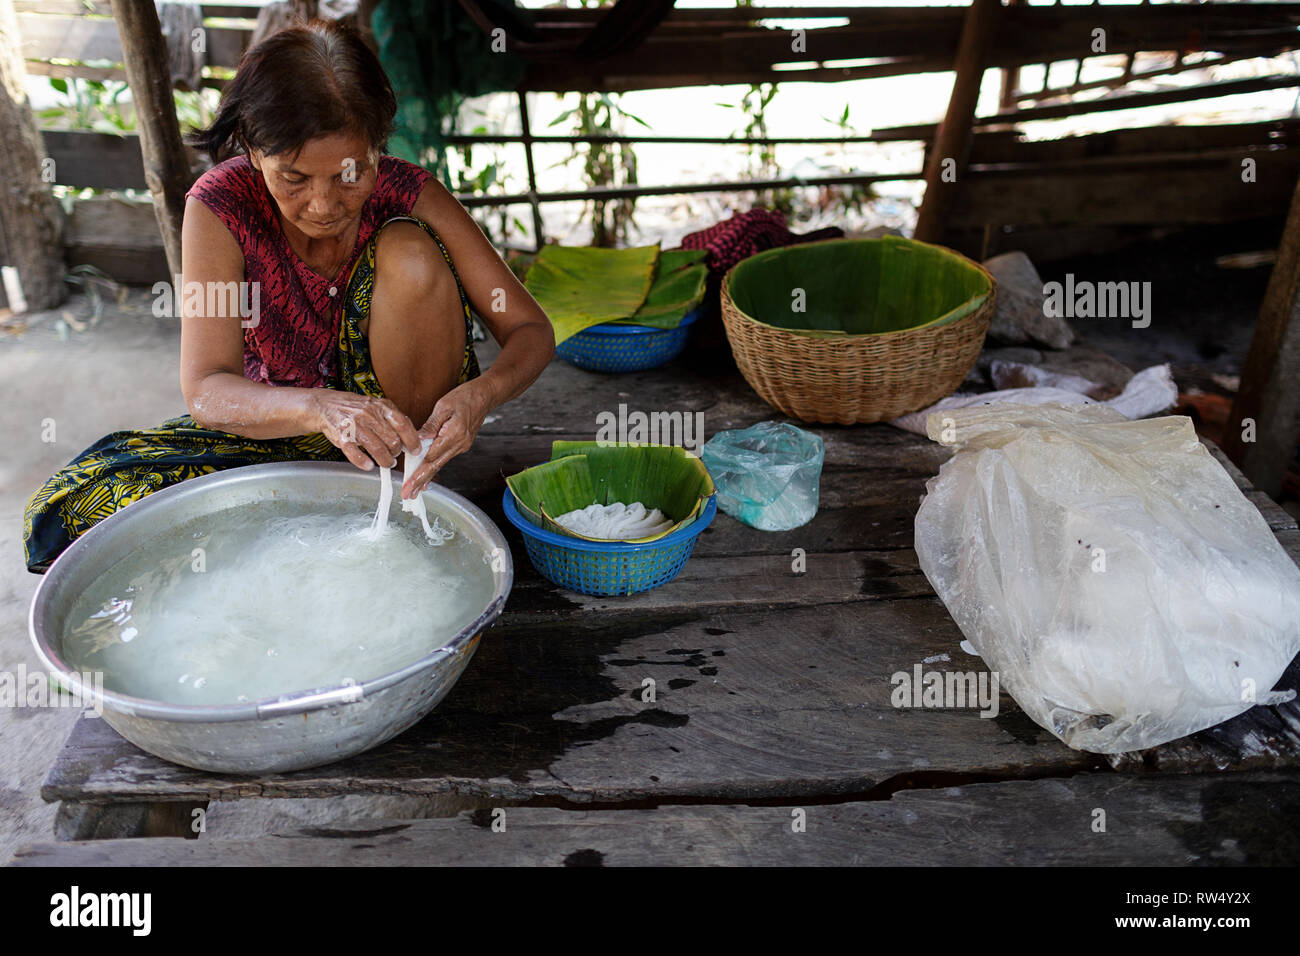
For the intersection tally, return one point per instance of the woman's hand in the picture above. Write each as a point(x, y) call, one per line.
point(362, 426)
point(453, 426)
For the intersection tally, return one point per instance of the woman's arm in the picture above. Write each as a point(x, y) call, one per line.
point(212, 363)
point(513, 317)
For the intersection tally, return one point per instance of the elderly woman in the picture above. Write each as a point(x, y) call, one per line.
point(362, 269)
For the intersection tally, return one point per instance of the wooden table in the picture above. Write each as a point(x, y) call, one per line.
point(770, 737)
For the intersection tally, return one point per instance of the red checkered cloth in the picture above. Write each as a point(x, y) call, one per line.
point(745, 234)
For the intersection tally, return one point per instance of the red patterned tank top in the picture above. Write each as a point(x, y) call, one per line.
point(295, 341)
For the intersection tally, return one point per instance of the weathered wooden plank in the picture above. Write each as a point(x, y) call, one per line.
point(101, 73)
point(95, 160)
point(709, 582)
point(785, 703)
point(1089, 819)
point(1108, 196)
point(118, 236)
point(247, 10)
point(1290, 541)
point(83, 38)
point(1007, 147)
point(567, 399)
point(746, 704)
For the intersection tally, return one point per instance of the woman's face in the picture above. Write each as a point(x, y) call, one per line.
point(323, 188)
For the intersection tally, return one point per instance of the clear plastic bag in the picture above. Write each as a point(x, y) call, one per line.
point(766, 476)
point(1110, 572)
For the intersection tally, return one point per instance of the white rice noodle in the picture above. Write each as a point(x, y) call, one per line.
point(434, 532)
point(416, 505)
point(616, 522)
point(380, 524)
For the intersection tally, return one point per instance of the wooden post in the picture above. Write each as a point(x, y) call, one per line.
point(953, 139)
point(166, 168)
point(539, 240)
point(30, 218)
point(1010, 78)
point(1269, 395)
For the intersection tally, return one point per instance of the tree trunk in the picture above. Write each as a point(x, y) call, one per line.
point(31, 221)
point(166, 167)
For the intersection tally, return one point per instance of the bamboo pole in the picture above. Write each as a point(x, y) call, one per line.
point(942, 178)
point(166, 167)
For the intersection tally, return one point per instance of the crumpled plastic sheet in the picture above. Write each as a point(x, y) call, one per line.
point(1111, 573)
point(768, 475)
point(1149, 391)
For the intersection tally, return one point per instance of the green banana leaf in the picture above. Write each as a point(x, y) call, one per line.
point(579, 286)
point(561, 485)
point(676, 482)
point(678, 288)
point(859, 286)
point(585, 473)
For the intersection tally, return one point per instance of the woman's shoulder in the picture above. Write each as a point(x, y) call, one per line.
point(390, 165)
point(233, 191)
point(400, 182)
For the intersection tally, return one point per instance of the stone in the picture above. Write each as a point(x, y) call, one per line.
point(1019, 318)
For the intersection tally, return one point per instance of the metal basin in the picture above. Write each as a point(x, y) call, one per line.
point(303, 729)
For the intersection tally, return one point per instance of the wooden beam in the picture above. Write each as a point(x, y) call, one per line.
point(166, 168)
point(82, 39)
point(1270, 379)
point(1181, 190)
point(1205, 91)
point(947, 161)
point(1010, 77)
point(703, 46)
point(101, 73)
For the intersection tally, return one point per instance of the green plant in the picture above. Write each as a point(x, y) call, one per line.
point(604, 164)
point(465, 178)
point(762, 156)
point(845, 196)
point(97, 105)
point(91, 104)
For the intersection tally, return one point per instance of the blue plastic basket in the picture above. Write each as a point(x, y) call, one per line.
point(625, 348)
point(590, 567)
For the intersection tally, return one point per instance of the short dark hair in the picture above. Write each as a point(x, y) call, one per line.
point(301, 82)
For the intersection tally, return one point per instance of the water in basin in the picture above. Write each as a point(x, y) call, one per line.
point(273, 598)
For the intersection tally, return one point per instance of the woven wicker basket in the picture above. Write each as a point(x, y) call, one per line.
point(852, 379)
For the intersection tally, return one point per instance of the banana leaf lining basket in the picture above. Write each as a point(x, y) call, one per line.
point(847, 331)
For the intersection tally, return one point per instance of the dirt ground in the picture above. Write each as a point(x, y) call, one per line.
point(122, 372)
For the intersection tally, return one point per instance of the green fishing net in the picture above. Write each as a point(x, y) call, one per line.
point(436, 57)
